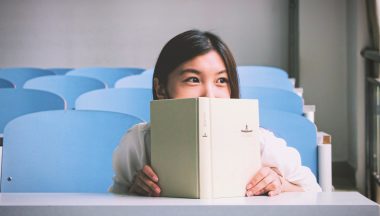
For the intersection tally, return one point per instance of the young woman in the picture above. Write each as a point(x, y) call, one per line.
point(198, 64)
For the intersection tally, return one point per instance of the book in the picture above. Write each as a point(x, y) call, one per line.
point(204, 147)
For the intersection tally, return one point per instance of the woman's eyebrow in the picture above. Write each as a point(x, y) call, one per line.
point(190, 70)
point(223, 71)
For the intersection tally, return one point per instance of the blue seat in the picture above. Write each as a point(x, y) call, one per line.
point(60, 71)
point(6, 84)
point(248, 78)
point(18, 76)
point(68, 87)
point(272, 98)
point(298, 132)
point(62, 151)
point(131, 101)
point(143, 80)
point(267, 70)
point(17, 102)
point(106, 75)
point(133, 70)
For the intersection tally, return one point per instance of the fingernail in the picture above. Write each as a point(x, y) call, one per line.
point(157, 190)
point(249, 186)
point(249, 193)
point(155, 178)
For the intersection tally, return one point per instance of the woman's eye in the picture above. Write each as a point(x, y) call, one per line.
point(192, 79)
point(223, 80)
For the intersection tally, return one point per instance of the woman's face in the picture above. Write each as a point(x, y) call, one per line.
point(202, 76)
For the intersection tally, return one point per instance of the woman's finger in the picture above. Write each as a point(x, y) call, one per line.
point(274, 193)
point(141, 191)
point(259, 188)
point(140, 182)
point(275, 187)
point(137, 190)
point(150, 173)
point(260, 175)
point(153, 187)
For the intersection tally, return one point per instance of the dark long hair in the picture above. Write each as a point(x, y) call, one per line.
point(187, 46)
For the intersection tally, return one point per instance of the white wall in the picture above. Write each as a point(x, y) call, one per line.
point(358, 38)
point(332, 34)
point(71, 33)
point(323, 67)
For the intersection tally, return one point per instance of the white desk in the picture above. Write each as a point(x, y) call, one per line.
point(319, 204)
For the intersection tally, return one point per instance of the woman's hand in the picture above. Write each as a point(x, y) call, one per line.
point(266, 180)
point(145, 183)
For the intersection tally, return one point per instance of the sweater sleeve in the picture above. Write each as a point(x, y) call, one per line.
point(128, 158)
point(276, 153)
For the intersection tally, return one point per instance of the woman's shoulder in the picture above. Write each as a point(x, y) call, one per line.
point(136, 133)
point(268, 138)
point(140, 128)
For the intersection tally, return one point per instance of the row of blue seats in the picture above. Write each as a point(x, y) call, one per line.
point(18, 76)
point(133, 101)
point(71, 150)
point(298, 132)
point(140, 78)
point(70, 87)
point(17, 102)
point(130, 101)
point(249, 76)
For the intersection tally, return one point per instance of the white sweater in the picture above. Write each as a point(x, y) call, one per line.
point(133, 152)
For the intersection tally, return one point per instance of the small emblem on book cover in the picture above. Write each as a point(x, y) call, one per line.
point(246, 130)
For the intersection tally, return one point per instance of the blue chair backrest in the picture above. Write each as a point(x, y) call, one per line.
point(271, 98)
point(62, 151)
point(68, 87)
point(17, 102)
point(131, 101)
point(18, 76)
point(248, 78)
point(60, 71)
point(106, 75)
point(133, 70)
point(6, 84)
point(297, 131)
point(267, 70)
point(143, 80)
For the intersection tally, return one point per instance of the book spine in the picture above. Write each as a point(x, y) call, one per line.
point(205, 167)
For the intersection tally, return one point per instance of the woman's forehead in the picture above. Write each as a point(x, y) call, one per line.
point(208, 62)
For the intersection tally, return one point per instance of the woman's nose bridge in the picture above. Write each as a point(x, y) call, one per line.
point(209, 90)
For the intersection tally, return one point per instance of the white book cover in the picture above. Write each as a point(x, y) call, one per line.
point(205, 147)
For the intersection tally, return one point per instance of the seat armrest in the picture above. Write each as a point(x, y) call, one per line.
point(324, 161)
point(309, 111)
point(323, 138)
point(298, 91)
point(293, 81)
